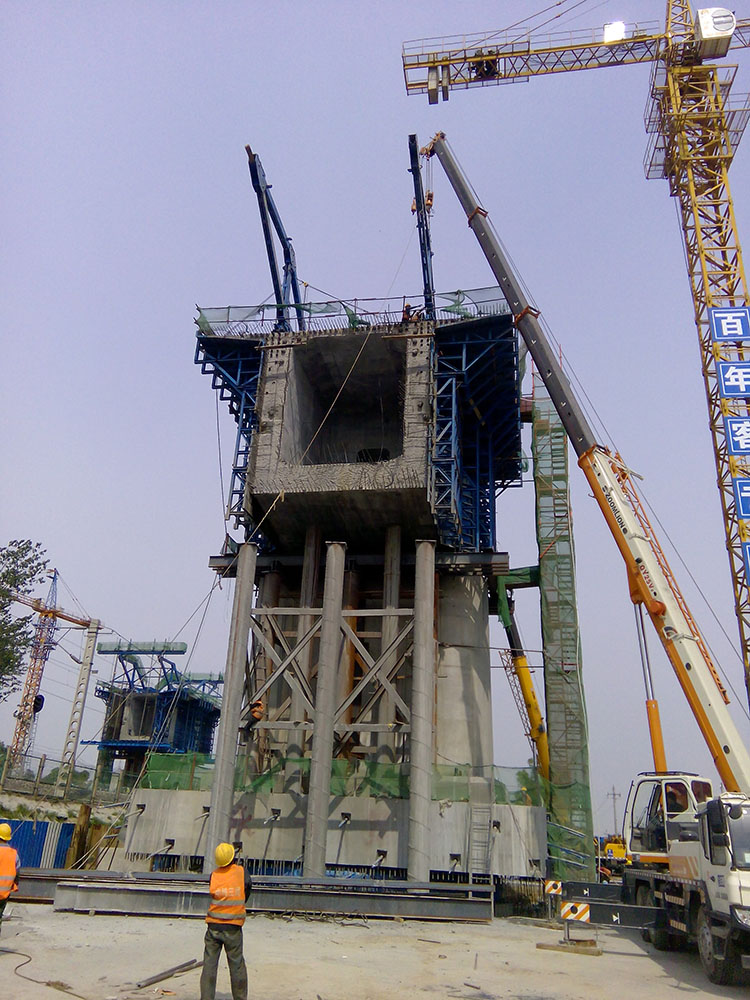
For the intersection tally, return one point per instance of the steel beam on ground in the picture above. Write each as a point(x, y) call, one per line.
point(188, 897)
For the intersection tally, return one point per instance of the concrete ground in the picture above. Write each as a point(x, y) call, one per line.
point(102, 957)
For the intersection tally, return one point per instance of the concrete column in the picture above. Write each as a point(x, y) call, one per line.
point(422, 708)
point(464, 702)
point(222, 790)
point(391, 596)
point(316, 825)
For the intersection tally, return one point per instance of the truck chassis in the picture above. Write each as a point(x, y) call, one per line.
point(670, 910)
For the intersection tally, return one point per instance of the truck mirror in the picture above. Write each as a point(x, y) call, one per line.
point(719, 840)
point(716, 817)
point(735, 811)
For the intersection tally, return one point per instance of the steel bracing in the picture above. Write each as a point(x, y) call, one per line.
point(356, 712)
point(476, 442)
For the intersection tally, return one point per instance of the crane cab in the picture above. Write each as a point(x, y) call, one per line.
point(661, 809)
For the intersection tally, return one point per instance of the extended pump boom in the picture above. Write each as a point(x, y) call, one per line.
point(650, 579)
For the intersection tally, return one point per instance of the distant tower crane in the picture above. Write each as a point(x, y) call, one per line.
point(42, 647)
point(694, 132)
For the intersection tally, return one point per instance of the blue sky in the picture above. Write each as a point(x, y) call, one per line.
point(127, 200)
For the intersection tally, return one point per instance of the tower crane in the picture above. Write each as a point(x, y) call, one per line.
point(694, 129)
point(42, 646)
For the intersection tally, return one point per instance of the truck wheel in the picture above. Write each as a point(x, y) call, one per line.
point(660, 937)
point(641, 899)
point(724, 973)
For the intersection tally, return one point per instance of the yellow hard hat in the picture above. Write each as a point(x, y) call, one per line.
point(5, 831)
point(224, 855)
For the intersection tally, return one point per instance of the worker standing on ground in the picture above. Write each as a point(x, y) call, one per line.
point(229, 888)
point(9, 865)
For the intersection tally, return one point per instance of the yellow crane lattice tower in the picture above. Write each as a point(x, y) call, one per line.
point(694, 130)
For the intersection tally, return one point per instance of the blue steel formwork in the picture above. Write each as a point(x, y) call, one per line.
point(234, 364)
point(185, 714)
point(476, 446)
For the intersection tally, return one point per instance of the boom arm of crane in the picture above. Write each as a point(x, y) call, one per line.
point(650, 579)
point(537, 731)
point(435, 66)
point(269, 213)
point(41, 608)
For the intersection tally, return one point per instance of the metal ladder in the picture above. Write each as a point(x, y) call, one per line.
point(479, 840)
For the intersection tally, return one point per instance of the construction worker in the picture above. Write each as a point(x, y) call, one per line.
point(229, 888)
point(9, 865)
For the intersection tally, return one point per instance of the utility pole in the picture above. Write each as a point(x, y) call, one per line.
point(614, 796)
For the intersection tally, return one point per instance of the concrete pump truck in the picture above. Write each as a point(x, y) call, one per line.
point(690, 876)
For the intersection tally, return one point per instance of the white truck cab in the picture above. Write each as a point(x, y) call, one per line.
point(714, 868)
point(660, 810)
point(691, 858)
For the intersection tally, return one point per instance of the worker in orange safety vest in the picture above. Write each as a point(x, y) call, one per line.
point(9, 865)
point(229, 888)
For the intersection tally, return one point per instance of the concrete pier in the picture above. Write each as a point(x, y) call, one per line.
point(316, 825)
point(422, 709)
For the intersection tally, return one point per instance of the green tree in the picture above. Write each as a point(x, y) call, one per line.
point(22, 566)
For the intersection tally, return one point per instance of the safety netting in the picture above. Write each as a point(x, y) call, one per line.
point(337, 314)
point(374, 779)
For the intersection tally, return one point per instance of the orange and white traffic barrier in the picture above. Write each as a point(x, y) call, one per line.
point(576, 911)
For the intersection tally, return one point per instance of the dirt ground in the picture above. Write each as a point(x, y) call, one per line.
point(102, 957)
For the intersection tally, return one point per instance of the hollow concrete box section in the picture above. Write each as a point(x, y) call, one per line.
point(361, 466)
point(375, 833)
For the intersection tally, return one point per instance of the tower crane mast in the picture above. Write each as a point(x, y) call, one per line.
point(42, 645)
point(694, 131)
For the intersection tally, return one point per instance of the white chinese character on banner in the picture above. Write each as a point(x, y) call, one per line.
point(737, 377)
point(740, 431)
point(729, 324)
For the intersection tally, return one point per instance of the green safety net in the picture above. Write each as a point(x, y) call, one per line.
point(568, 796)
point(186, 772)
point(451, 782)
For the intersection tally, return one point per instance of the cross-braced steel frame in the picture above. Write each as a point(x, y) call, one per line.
point(357, 710)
